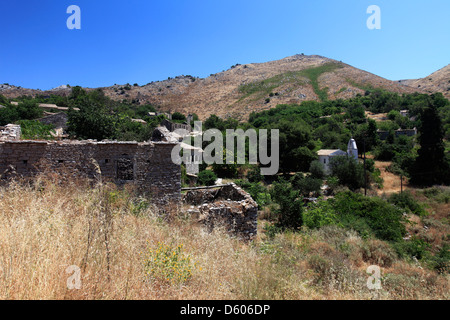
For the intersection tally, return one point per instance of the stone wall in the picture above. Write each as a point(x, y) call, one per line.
point(10, 132)
point(148, 166)
point(172, 126)
point(229, 207)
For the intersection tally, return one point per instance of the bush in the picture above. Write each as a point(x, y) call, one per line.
point(320, 214)
point(379, 253)
point(441, 261)
point(414, 247)
point(178, 117)
point(370, 216)
point(169, 264)
point(32, 130)
point(406, 201)
point(317, 170)
point(257, 191)
point(306, 185)
point(207, 178)
point(254, 175)
point(439, 194)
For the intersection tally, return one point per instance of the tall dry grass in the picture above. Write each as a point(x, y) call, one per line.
point(46, 227)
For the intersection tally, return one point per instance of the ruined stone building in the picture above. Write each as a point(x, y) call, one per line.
point(147, 165)
point(172, 126)
point(226, 206)
point(383, 135)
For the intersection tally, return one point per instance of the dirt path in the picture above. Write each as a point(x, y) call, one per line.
point(391, 182)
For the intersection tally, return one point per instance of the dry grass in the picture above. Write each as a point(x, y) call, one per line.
point(391, 182)
point(44, 228)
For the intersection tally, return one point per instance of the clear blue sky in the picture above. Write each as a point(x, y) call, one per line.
point(138, 41)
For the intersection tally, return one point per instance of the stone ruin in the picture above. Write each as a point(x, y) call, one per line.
point(228, 206)
point(147, 166)
point(10, 132)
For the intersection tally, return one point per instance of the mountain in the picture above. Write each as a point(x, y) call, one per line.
point(251, 87)
point(438, 81)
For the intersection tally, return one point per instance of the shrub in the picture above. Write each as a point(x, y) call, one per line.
point(406, 200)
point(306, 185)
point(438, 194)
point(379, 253)
point(179, 117)
point(254, 174)
point(412, 248)
point(207, 178)
point(168, 263)
point(32, 129)
point(317, 170)
point(257, 191)
point(320, 214)
point(370, 216)
point(441, 261)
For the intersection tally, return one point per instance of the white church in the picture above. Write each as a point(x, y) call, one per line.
point(325, 155)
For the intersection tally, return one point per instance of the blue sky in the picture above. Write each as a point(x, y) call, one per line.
point(139, 41)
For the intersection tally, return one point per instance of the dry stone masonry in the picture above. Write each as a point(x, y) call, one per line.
point(10, 132)
point(228, 206)
point(146, 165)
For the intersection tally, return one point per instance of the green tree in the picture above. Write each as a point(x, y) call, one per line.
point(289, 213)
point(430, 166)
point(317, 169)
point(94, 119)
point(349, 172)
point(306, 184)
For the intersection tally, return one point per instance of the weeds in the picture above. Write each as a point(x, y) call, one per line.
point(169, 263)
point(120, 242)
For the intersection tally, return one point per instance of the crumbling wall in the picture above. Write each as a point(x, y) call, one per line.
point(11, 132)
point(229, 207)
point(148, 166)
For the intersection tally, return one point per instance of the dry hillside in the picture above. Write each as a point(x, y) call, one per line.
point(438, 81)
point(245, 88)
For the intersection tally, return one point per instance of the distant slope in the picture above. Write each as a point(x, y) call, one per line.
point(438, 81)
point(252, 87)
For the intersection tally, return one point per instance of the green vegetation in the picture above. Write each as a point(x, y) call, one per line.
point(348, 226)
point(207, 178)
point(313, 75)
point(265, 87)
point(406, 201)
point(431, 166)
point(26, 110)
point(35, 130)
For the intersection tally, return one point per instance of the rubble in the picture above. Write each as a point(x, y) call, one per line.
point(227, 206)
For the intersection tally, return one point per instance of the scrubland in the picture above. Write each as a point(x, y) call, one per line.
point(126, 248)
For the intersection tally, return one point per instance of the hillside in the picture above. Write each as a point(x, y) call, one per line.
point(438, 81)
point(242, 89)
